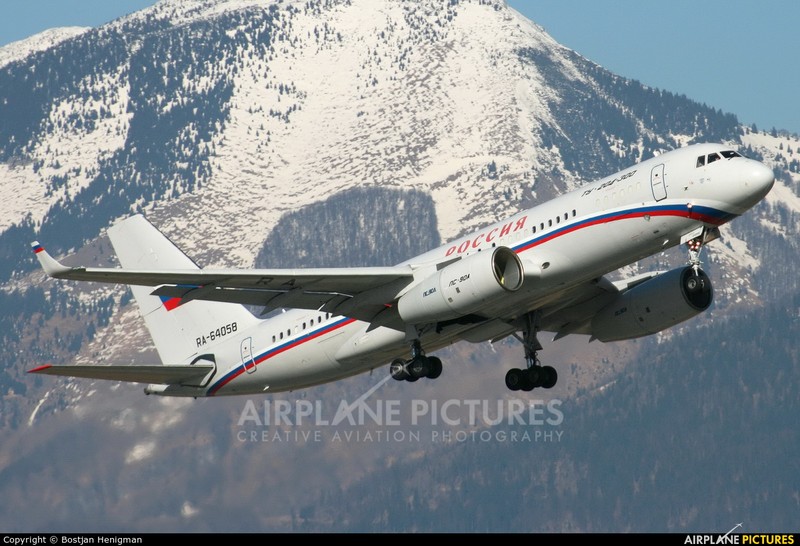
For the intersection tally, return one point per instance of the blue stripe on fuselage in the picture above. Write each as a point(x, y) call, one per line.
point(278, 349)
point(707, 215)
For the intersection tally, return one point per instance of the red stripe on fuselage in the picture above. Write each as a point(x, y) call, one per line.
point(239, 370)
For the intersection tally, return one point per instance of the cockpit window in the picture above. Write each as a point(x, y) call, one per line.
point(727, 154)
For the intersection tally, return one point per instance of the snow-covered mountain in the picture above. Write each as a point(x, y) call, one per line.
point(22, 49)
point(219, 117)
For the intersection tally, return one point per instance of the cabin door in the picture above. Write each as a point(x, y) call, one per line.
point(658, 183)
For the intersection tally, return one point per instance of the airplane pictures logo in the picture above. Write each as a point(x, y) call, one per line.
point(759, 539)
point(369, 420)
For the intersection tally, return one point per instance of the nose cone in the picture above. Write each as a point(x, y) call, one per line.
point(756, 181)
point(760, 179)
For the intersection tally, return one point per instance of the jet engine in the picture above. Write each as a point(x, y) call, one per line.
point(654, 305)
point(462, 287)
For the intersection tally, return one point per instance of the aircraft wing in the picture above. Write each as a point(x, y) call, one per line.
point(166, 375)
point(568, 312)
point(574, 314)
point(359, 292)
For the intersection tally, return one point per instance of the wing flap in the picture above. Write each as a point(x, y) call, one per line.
point(165, 375)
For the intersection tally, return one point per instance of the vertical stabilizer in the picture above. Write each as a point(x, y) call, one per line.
point(176, 328)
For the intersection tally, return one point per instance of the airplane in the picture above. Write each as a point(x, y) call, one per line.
point(542, 269)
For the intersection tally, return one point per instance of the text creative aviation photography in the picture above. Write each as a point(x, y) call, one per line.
point(541, 270)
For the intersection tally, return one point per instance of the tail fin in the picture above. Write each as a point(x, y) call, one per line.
point(180, 331)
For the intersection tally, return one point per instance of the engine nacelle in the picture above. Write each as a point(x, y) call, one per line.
point(654, 305)
point(462, 287)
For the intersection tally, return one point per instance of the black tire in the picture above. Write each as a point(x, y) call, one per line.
point(515, 379)
point(435, 365)
point(550, 377)
point(397, 369)
point(535, 376)
point(527, 384)
point(419, 367)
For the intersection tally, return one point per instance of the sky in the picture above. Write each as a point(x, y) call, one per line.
point(741, 56)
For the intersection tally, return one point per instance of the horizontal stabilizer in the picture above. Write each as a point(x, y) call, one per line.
point(165, 375)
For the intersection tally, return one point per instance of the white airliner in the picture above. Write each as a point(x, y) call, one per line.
point(540, 270)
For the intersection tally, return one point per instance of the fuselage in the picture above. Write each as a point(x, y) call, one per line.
point(562, 244)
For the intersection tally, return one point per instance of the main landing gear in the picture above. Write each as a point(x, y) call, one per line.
point(534, 375)
point(417, 367)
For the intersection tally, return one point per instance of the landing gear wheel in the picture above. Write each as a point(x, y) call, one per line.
point(515, 379)
point(397, 369)
point(419, 367)
point(535, 376)
point(549, 377)
point(435, 365)
point(527, 384)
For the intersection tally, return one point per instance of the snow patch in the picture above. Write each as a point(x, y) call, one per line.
point(32, 418)
point(188, 511)
point(782, 195)
point(141, 451)
point(169, 416)
point(19, 50)
point(65, 159)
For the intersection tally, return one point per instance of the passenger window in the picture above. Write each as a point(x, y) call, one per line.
point(558, 219)
point(281, 335)
point(573, 213)
point(541, 226)
point(534, 229)
point(712, 158)
point(701, 161)
point(549, 223)
point(273, 339)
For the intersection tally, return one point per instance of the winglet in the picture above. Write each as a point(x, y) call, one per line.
point(52, 267)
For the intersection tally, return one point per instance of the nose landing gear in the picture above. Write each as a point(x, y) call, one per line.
point(694, 247)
